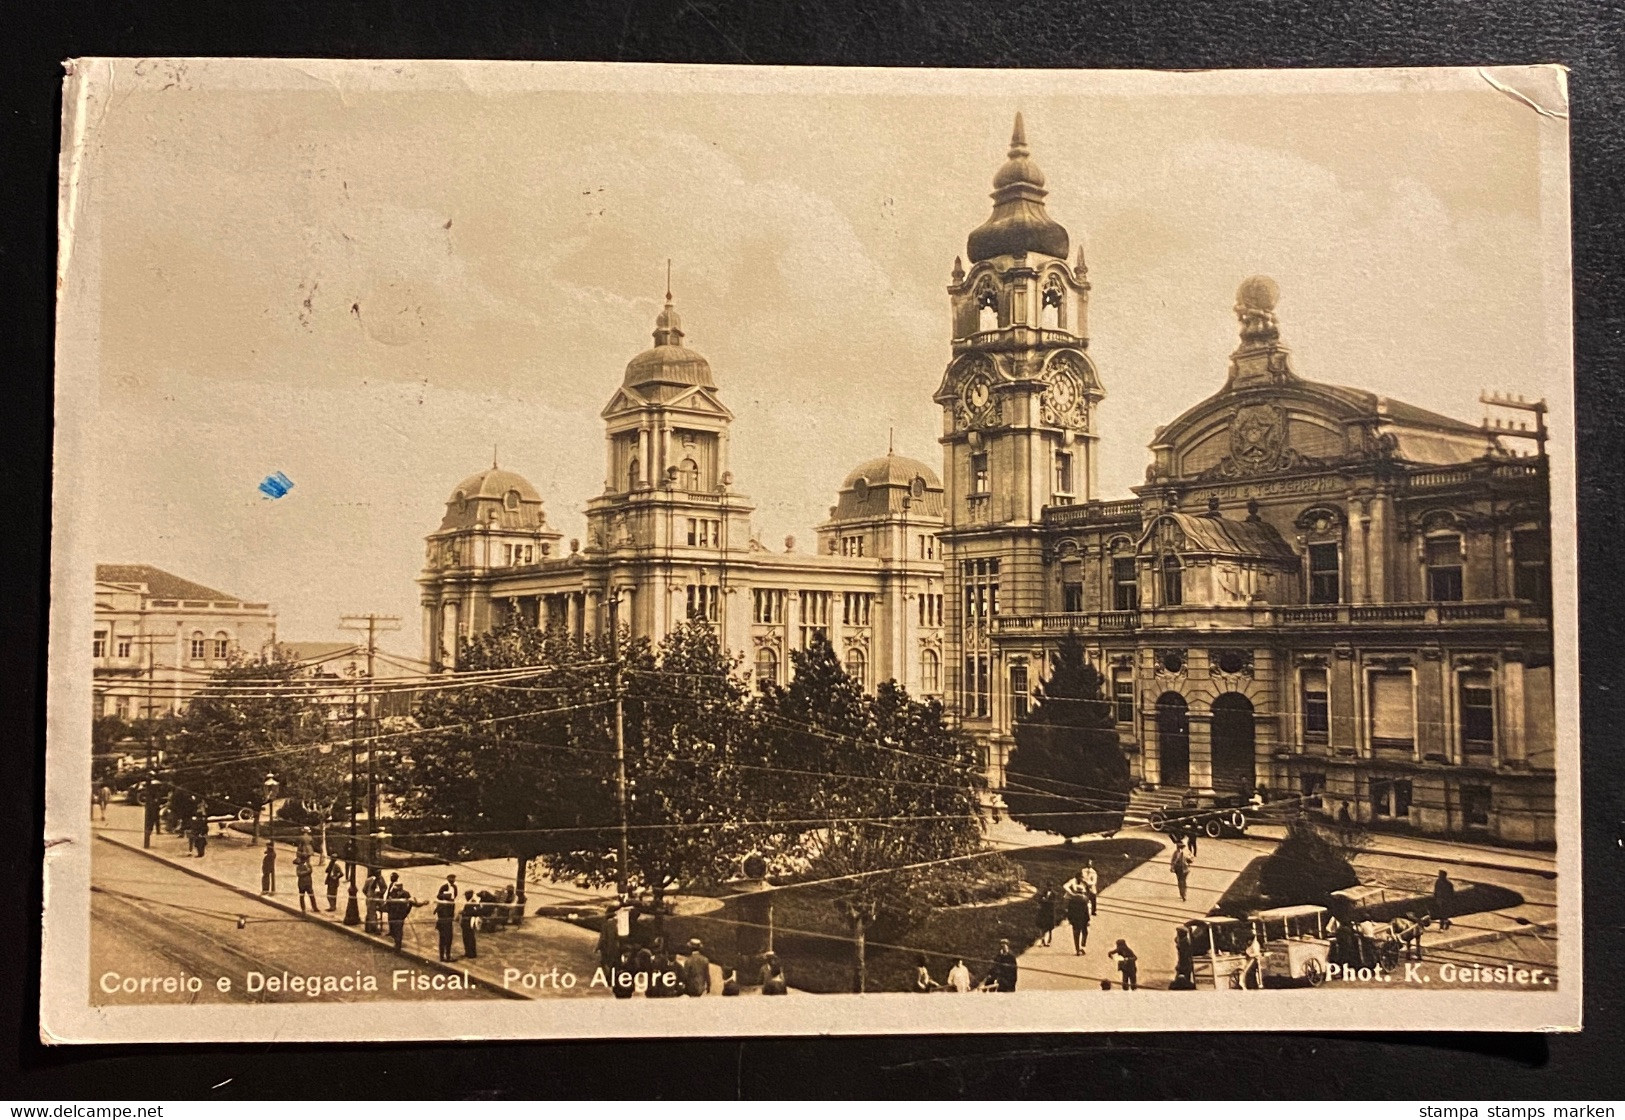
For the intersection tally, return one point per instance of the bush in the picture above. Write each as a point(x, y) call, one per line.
point(1305, 868)
point(987, 879)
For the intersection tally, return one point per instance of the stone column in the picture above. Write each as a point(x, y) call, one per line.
point(1201, 740)
point(1511, 748)
point(1433, 735)
point(572, 615)
point(1342, 682)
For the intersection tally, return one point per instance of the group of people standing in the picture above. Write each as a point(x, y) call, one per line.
point(1001, 974)
point(1077, 903)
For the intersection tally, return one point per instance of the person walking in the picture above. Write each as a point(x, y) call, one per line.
point(773, 981)
point(306, 878)
point(268, 869)
point(200, 829)
point(333, 877)
point(923, 984)
point(1047, 910)
point(1002, 976)
point(1444, 899)
point(1090, 878)
point(103, 796)
point(1190, 835)
point(470, 920)
point(1127, 965)
point(1077, 912)
point(374, 889)
point(1180, 865)
point(445, 914)
point(959, 976)
point(697, 969)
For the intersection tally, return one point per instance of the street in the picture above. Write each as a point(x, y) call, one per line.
point(180, 934)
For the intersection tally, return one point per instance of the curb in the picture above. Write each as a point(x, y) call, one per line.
point(1492, 935)
point(356, 932)
point(1428, 857)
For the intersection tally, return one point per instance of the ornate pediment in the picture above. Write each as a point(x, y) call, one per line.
point(1258, 445)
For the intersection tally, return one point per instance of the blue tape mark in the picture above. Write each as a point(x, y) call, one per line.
point(276, 485)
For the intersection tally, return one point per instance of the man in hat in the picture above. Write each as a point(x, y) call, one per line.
point(609, 937)
point(1002, 976)
point(268, 869)
point(398, 903)
point(471, 924)
point(445, 914)
point(696, 969)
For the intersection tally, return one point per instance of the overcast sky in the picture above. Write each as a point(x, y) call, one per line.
point(367, 289)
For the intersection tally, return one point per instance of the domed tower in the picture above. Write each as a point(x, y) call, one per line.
point(668, 508)
point(493, 525)
point(889, 508)
point(1018, 407)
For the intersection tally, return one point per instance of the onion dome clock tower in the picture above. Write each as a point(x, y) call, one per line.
point(1018, 406)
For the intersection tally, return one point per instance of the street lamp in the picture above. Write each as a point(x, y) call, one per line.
point(270, 786)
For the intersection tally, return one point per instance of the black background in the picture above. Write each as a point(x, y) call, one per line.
point(1589, 37)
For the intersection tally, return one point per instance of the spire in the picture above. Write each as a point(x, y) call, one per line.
point(1019, 223)
point(668, 324)
point(493, 456)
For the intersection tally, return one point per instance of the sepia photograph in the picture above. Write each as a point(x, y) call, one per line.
point(534, 539)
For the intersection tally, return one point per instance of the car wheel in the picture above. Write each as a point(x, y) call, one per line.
point(1214, 827)
point(1238, 820)
point(1158, 820)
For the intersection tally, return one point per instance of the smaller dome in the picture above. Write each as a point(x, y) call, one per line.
point(892, 470)
point(1258, 293)
point(668, 361)
point(495, 482)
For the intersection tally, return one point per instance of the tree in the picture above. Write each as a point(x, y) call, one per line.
point(894, 790)
point(1067, 773)
point(518, 768)
point(250, 720)
point(1305, 868)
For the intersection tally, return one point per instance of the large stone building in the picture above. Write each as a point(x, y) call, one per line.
point(1317, 589)
point(159, 637)
point(670, 539)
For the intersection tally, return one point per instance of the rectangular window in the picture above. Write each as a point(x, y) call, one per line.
point(1123, 694)
point(1444, 569)
point(123, 647)
point(1063, 478)
point(1173, 581)
point(814, 617)
point(928, 547)
point(704, 603)
point(1477, 713)
point(1325, 576)
point(99, 646)
point(1391, 798)
point(1531, 570)
point(1072, 597)
point(1125, 584)
point(1316, 714)
point(981, 685)
point(1019, 697)
point(200, 648)
point(222, 648)
point(704, 532)
point(981, 590)
point(855, 608)
point(1392, 718)
point(851, 546)
point(767, 606)
point(979, 482)
point(930, 609)
point(1475, 806)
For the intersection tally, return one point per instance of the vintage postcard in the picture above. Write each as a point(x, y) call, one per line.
point(565, 550)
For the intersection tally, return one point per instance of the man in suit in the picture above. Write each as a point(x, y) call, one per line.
point(445, 914)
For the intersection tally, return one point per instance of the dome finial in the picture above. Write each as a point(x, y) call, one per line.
point(1018, 138)
point(668, 324)
point(668, 281)
point(493, 456)
point(1255, 308)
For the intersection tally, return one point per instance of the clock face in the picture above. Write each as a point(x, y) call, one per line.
point(1064, 392)
point(976, 393)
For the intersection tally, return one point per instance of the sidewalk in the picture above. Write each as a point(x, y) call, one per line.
point(1449, 852)
point(539, 947)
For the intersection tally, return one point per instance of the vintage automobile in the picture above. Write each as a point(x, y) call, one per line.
point(1213, 821)
point(1296, 946)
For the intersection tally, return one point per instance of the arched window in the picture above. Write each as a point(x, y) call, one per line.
point(767, 666)
point(1173, 581)
point(987, 308)
point(688, 475)
point(1052, 314)
point(200, 646)
point(632, 475)
point(857, 667)
point(930, 673)
point(222, 645)
point(510, 500)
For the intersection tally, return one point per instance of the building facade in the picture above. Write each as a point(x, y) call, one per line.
point(1317, 590)
point(670, 540)
point(158, 638)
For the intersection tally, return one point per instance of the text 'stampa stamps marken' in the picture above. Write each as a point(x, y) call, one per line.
point(574, 550)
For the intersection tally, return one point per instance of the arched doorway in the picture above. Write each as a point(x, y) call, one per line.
point(1233, 744)
point(1173, 740)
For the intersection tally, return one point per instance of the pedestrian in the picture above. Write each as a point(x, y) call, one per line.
point(773, 981)
point(624, 981)
point(1127, 965)
point(471, 925)
point(445, 914)
point(959, 976)
point(730, 982)
point(200, 828)
point(398, 903)
point(1190, 835)
point(609, 936)
point(268, 869)
point(696, 969)
point(333, 877)
point(1252, 969)
point(665, 978)
point(1343, 814)
point(1002, 975)
point(1180, 865)
point(375, 889)
point(1444, 899)
point(103, 796)
point(1184, 962)
point(307, 847)
point(1077, 911)
point(307, 882)
point(922, 976)
point(1091, 885)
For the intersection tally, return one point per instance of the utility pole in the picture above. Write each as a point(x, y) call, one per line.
point(622, 875)
point(372, 624)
